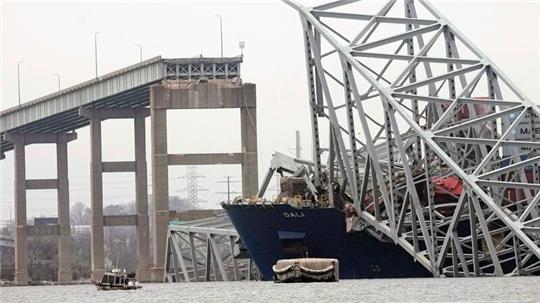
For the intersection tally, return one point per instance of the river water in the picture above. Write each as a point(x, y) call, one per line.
point(516, 289)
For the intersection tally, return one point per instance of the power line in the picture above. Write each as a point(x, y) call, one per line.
point(228, 192)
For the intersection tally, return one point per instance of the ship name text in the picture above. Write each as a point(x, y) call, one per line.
point(293, 214)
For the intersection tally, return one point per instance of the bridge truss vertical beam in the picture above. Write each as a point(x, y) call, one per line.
point(430, 96)
point(205, 250)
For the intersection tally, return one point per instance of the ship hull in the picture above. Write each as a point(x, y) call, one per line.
point(280, 231)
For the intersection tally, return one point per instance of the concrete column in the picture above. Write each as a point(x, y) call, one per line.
point(248, 124)
point(141, 197)
point(96, 196)
point(216, 94)
point(160, 180)
point(140, 219)
point(21, 232)
point(64, 240)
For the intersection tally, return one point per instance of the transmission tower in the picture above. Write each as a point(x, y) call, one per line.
point(192, 185)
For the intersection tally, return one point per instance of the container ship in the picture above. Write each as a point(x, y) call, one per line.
point(298, 225)
point(272, 231)
point(422, 178)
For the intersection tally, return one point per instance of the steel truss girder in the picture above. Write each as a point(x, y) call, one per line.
point(205, 250)
point(440, 134)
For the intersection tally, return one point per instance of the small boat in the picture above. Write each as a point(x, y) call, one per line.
point(116, 280)
point(306, 270)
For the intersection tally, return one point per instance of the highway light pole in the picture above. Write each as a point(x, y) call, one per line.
point(95, 51)
point(242, 45)
point(58, 77)
point(140, 51)
point(19, 80)
point(221, 33)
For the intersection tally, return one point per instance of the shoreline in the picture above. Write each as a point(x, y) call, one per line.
point(9, 283)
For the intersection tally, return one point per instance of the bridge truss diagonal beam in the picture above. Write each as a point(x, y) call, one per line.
point(205, 250)
point(424, 105)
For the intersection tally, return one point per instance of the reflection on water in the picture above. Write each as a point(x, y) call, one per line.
point(518, 289)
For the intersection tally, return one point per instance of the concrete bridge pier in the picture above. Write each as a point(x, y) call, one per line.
point(207, 94)
point(61, 184)
point(248, 122)
point(98, 167)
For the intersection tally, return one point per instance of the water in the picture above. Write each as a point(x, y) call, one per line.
point(517, 289)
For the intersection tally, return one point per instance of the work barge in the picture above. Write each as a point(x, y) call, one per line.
point(413, 109)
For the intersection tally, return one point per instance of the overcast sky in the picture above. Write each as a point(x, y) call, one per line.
point(59, 38)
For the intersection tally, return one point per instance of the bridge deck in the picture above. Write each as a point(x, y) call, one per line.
point(124, 88)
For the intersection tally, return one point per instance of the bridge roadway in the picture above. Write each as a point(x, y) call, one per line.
point(148, 88)
point(126, 88)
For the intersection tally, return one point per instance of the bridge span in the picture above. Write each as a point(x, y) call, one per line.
point(148, 88)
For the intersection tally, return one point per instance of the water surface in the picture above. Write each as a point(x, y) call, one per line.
point(515, 289)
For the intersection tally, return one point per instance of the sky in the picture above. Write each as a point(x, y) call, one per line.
point(58, 37)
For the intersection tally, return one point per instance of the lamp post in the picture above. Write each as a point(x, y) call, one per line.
point(221, 33)
point(242, 45)
point(140, 51)
point(58, 77)
point(95, 51)
point(19, 80)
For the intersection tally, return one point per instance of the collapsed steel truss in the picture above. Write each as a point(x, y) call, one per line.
point(206, 250)
point(399, 92)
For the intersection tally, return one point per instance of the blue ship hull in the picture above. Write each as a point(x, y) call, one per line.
point(273, 232)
